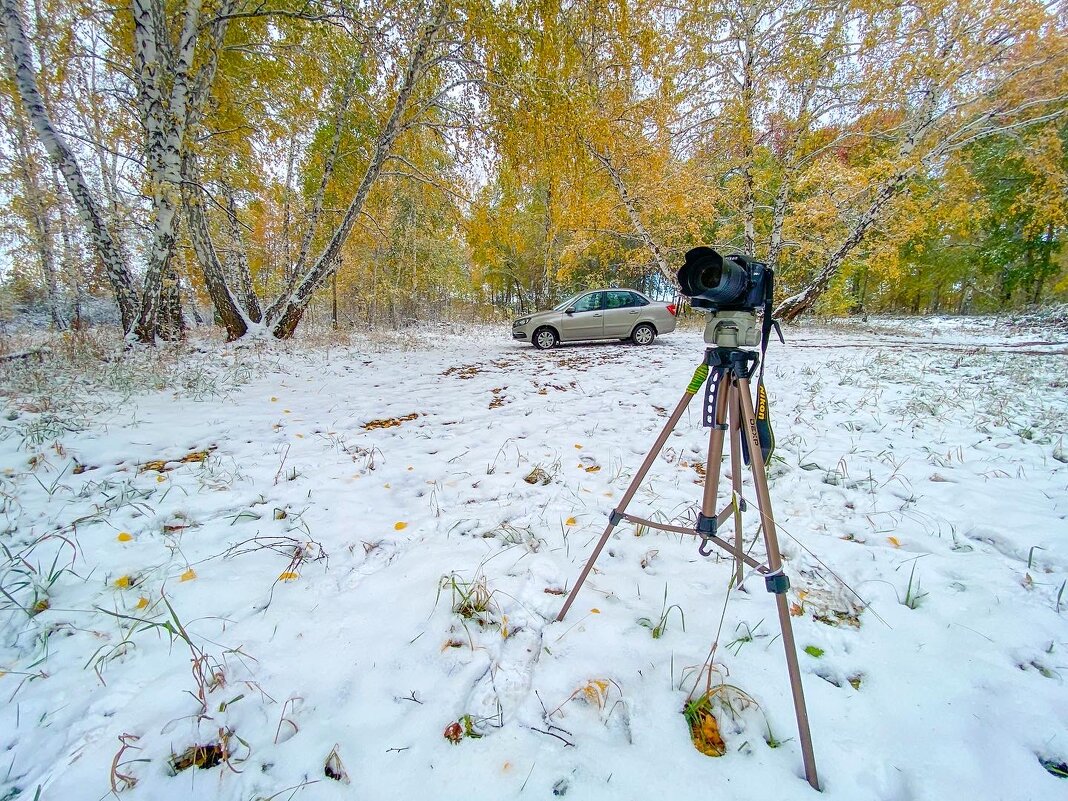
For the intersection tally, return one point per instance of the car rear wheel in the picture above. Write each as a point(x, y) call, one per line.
point(643, 334)
point(544, 338)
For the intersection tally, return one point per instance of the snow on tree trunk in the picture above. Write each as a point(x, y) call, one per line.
point(104, 245)
point(164, 117)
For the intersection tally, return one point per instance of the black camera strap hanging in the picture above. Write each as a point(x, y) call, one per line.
point(763, 407)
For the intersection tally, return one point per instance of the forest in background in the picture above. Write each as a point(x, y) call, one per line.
point(249, 160)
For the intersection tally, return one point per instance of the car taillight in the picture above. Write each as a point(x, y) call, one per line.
point(673, 309)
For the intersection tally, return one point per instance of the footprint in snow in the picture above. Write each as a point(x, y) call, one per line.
point(498, 696)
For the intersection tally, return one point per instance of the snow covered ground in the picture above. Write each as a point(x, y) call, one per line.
point(313, 591)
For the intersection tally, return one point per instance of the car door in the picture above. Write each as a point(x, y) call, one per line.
point(620, 314)
point(584, 319)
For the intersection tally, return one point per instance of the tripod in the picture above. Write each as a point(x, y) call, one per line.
point(729, 412)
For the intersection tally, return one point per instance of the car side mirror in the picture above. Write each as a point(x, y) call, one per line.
point(569, 311)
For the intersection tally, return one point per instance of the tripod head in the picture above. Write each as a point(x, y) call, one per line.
point(732, 329)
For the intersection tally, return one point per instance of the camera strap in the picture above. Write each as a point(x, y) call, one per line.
point(763, 407)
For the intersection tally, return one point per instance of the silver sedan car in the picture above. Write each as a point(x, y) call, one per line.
point(599, 314)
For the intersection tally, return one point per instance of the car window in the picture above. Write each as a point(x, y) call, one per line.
point(619, 300)
point(564, 304)
point(590, 302)
point(637, 300)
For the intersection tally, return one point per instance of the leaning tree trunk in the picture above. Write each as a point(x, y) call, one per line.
point(285, 314)
point(227, 308)
point(104, 244)
point(43, 238)
point(796, 305)
point(635, 218)
point(238, 262)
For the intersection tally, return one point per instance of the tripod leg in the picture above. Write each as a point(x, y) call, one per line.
point(699, 376)
point(771, 542)
point(715, 444)
point(736, 482)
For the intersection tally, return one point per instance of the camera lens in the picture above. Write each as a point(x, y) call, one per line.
point(709, 277)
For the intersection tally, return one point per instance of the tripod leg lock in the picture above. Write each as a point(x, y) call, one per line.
point(706, 529)
point(615, 517)
point(777, 582)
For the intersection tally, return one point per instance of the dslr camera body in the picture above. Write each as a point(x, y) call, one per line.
point(730, 290)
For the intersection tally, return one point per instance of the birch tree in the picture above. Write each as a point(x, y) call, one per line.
point(37, 203)
point(950, 75)
point(422, 53)
point(85, 200)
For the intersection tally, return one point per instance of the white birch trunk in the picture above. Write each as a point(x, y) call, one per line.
point(328, 171)
point(89, 211)
point(233, 316)
point(164, 116)
point(239, 267)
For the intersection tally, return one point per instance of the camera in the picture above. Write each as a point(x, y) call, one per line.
point(718, 283)
point(730, 289)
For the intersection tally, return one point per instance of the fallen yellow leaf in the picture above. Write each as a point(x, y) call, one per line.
point(704, 731)
point(160, 479)
point(578, 446)
point(274, 399)
point(142, 602)
point(400, 525)
point(124, 536)
point(894, 541)
point(595, 692)
point(188, 575)
point(289, 575)
point(122, 582)
point(570, 521)
point(595, 611)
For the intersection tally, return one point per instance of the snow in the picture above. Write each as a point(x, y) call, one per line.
point(907, 451)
